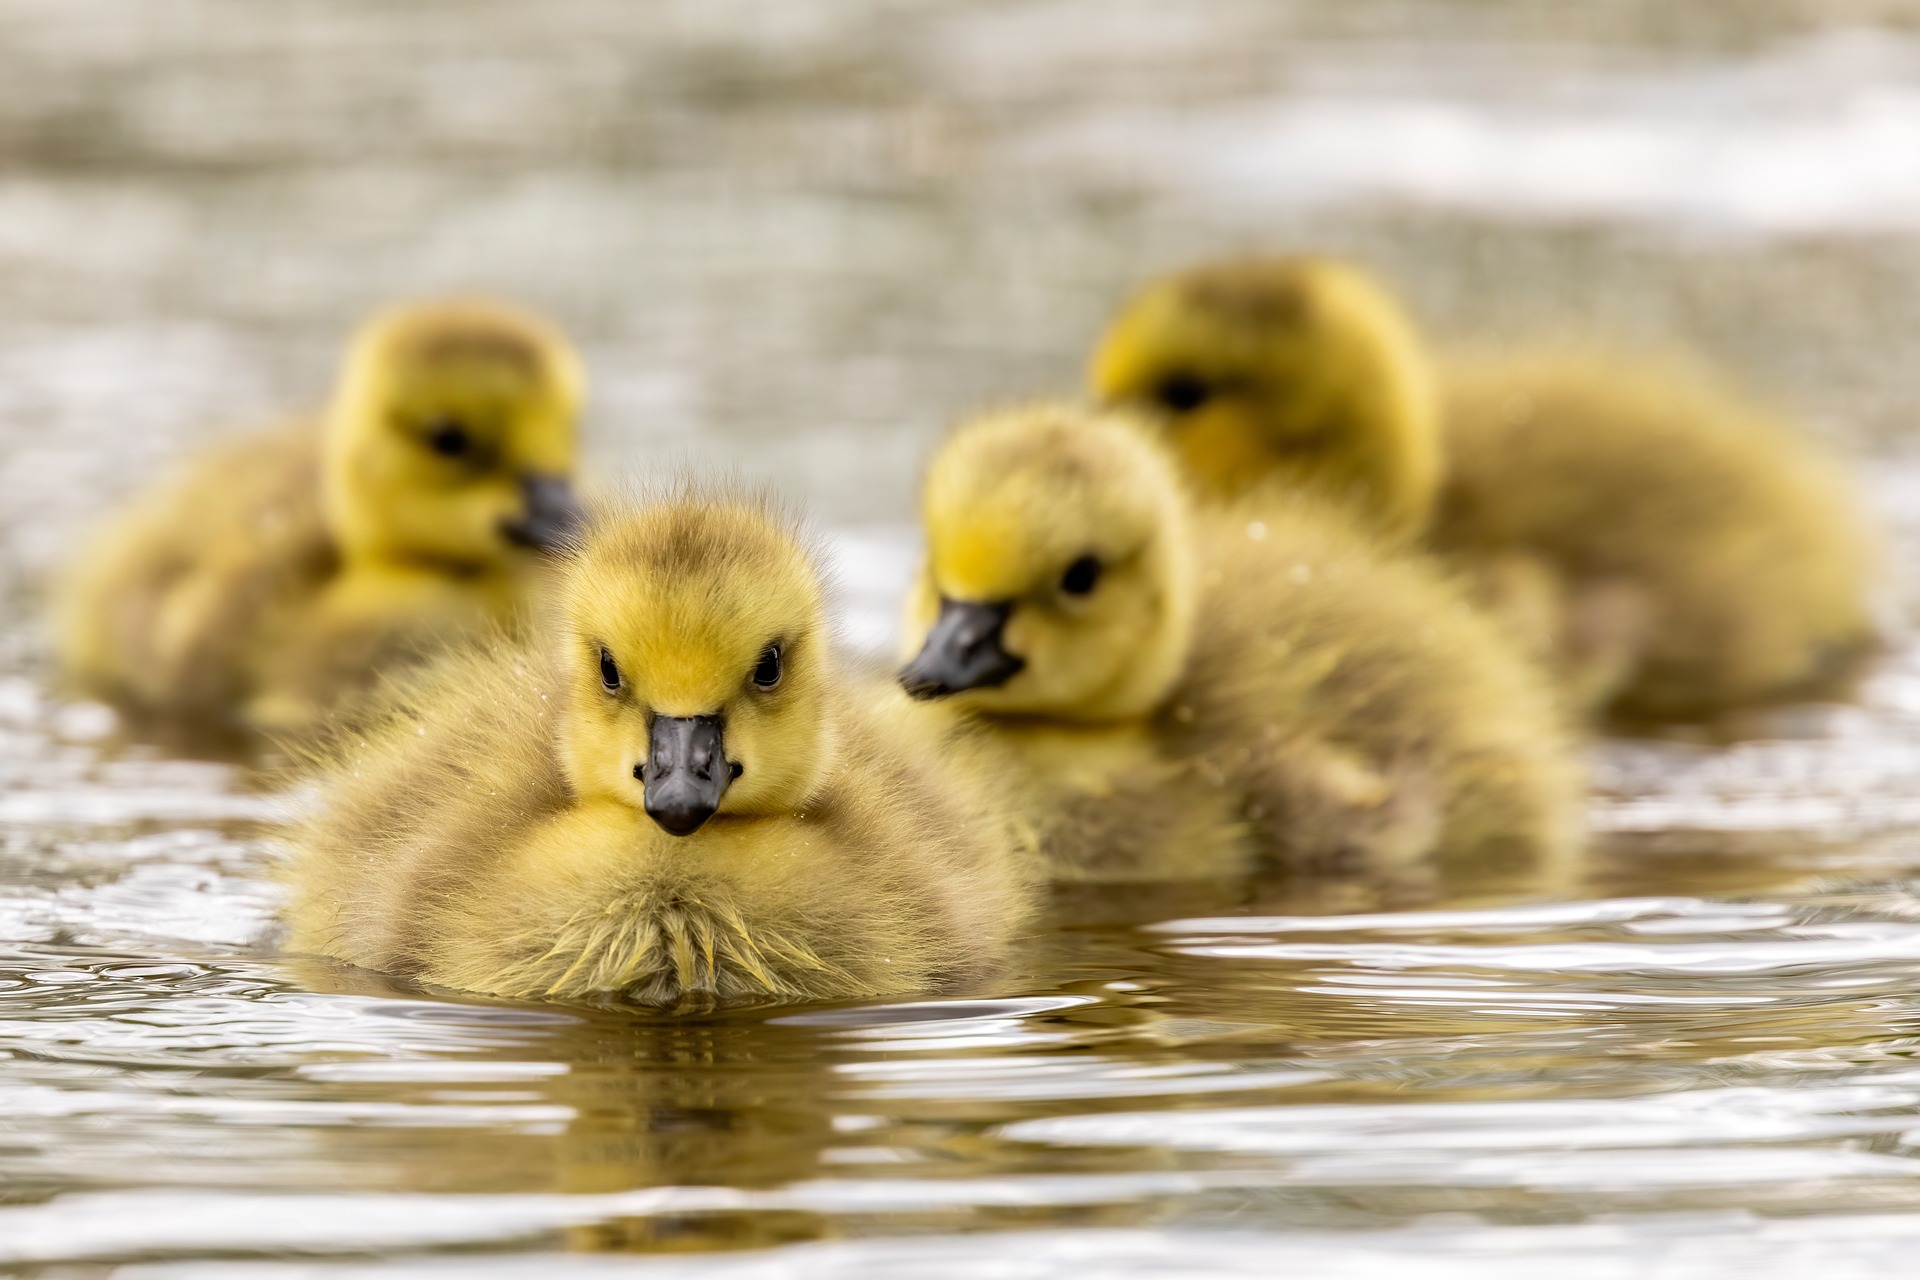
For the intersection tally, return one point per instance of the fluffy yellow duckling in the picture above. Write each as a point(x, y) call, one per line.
point(676, 796)
point(1173, 692)
point(1675, 552)
point(280, 573)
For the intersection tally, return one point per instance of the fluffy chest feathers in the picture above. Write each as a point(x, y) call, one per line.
point(601, 900)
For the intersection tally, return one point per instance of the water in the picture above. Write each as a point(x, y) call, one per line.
point(796, 240)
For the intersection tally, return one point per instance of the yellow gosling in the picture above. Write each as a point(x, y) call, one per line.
point(1672, 551)
point(675, 796)
point(1302, 370)
point(274, 579)
point(1174, 693)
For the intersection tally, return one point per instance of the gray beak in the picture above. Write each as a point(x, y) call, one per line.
point(553, 515)
point(686, 772)
point(963, 651)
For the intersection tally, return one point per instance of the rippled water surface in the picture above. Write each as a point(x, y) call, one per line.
point(797, 239)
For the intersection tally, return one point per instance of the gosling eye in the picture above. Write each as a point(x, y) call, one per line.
point(609, 672)
point(767, 672)
point(1081, 577)
point(1182, 392)
point(449, 438)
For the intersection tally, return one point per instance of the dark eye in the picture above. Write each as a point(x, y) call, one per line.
point(1081, 577)
point(766, 672)
point(609, 672)
point(448, 437)
point(1182, 392)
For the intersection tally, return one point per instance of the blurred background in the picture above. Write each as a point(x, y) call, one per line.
point(797, 239)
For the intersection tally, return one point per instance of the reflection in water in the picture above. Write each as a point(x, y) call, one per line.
point(700, 1104)
point(1302, 1060)
point(1291, 1069)
point(799, 240)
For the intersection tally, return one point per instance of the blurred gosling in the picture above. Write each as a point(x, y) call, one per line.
point(675, 797)
point(274, 579)
point(1179, 693)
point(1673, 552)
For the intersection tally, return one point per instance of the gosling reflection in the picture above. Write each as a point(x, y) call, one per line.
point(590, 1102)
point(681, 1104)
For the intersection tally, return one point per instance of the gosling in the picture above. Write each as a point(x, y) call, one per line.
point(280, 575)
point(675, 796)
point(1672, 552)
point(1169, 692)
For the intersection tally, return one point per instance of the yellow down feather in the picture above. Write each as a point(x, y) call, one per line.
point(488, 833)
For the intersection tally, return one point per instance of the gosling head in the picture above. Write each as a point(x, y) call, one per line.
point(1300, 368)
point(1056, 582)
point(451, 438)
point(693, 645)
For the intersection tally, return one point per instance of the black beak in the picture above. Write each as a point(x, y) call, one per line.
point(963, 651)
point(686, 772)
point(552, 517)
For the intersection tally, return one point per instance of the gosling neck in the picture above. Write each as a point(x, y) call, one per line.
point(1383, 418)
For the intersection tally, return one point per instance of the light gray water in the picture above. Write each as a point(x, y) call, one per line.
point(797, 238)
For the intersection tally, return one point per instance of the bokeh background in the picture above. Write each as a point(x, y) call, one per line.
point(797, 239)
point(800, 239)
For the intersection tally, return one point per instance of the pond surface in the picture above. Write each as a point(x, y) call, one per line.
point(797, 240)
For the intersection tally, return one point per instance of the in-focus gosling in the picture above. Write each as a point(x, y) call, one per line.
point(675, 796)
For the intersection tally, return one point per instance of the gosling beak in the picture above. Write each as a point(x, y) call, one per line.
point(552, 517)
point(962, 651)
point(686, 772)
